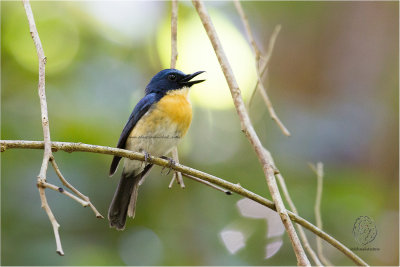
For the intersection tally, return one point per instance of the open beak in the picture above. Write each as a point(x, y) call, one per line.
point(187, 79)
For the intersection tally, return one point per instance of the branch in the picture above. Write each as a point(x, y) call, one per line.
point(48, 155)
point(302, 234)
point(235, 188)
point(174, 57)
point(319, 171)
point(258, 56)
point(41, 178)
point(251, 135)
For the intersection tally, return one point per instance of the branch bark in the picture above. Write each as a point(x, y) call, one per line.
point(234, 188)
point(250, 133)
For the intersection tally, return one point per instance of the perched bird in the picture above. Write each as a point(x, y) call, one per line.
point(157, 123)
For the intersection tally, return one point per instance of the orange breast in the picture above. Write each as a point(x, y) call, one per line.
point(177, 107)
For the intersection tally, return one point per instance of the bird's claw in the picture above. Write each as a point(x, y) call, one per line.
point(170, 165)
point(146, 156)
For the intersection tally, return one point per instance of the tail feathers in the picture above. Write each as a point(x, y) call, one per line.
point(125, 197)
point(119, 205)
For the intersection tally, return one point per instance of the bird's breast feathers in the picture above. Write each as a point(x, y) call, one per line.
point(166, 122)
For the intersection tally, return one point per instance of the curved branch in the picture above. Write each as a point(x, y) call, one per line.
point(236, 188)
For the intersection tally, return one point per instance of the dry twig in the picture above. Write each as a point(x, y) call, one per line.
point(48, 155)
point(319, 171)
point(174, 57)
point(235, 188)
point(248, 129)
point(258, 57)
point(302, 234)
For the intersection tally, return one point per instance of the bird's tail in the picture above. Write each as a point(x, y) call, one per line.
point(124, 200)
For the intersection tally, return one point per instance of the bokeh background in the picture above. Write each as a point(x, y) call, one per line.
point(333, 79)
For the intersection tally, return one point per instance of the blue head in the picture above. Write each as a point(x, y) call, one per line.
point(171, 79)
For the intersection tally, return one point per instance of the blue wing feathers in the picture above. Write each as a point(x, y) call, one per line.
point(140, 109)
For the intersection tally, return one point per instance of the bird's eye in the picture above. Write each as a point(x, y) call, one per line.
point(172, 77)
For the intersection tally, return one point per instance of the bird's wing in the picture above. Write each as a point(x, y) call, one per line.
point(140, 109)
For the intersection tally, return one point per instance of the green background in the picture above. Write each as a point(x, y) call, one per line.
point(333, 79)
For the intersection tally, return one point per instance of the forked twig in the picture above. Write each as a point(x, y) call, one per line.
point(48, 155)
point(260, 68)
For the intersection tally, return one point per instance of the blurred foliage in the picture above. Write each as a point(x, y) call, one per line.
point(334, 82)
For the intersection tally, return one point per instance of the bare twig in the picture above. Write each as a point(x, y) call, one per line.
point(48, 155)
point(248, 129)
point(174, 31)
point(174, 57)
point(208, 184)
point(302, 234)
point(41, 179)
point(258, 57)
point(319, 171)
point(73, 189)
point(235, 188)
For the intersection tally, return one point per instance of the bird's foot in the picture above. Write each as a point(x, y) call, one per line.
point(146, 156)
point(170, 165)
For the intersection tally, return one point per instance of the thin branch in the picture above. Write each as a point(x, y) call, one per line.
point(41, 179)
point(235, 188)
point(48, 155)
point(52, 219)
point(319, 171)
point(258, 57)
point(263, 68)
point(177, 176)
point(302, 234)
point(73, 189)
point(174, 31)
point(66, 193)
point(248, 129)
point(208, 184)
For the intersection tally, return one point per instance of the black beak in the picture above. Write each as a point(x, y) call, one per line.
point(187, 79)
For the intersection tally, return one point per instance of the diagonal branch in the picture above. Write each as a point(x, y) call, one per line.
point(289, 200)
point(259, 69)
point(250, 133)
point(235, 188)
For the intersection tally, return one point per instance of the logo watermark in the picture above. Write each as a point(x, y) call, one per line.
point(364, 232)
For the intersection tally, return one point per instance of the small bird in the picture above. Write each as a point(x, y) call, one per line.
point(157, 123)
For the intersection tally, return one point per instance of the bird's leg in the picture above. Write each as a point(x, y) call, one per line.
point(170, 165)
point(146, 156)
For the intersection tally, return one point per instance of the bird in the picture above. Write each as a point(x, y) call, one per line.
point(156, 125)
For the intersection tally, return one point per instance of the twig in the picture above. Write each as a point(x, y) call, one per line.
point(68, 194)
point(176, 175)
point(174, 31)
point(258, 56)
point(48, 155)
point(319, 171)
point(289, 200)
point(235, 188)
point(174, 57)
point(41, 179)
point(208, 184)
point(73, 189)
point(248, 129)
